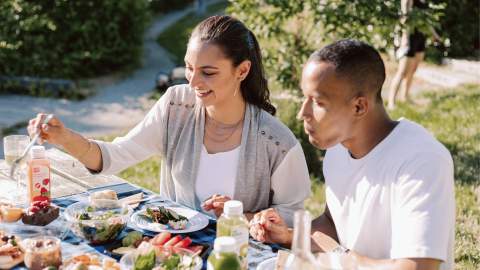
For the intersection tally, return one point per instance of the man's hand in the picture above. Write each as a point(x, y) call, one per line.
point(215, 203)
point(268, 226)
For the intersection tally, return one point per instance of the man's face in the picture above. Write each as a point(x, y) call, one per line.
point(327, 111)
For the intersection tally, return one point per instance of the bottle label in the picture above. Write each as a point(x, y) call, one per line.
point(40, 185)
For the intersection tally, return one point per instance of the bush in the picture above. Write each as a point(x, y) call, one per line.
point(460, 26)
point(162, 6)
point(287, 113)
point(70, 39)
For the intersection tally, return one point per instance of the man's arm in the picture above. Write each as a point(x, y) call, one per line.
point(325, 243)
point(396, 264)
point(324, 223)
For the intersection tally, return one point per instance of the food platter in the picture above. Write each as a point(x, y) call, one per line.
point(196, 221)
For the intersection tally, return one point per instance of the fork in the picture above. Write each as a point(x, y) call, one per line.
point(25, 152)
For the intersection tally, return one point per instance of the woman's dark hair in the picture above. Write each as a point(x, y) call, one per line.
point(238, 43)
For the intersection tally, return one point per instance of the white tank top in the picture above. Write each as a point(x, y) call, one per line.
point(216, 173)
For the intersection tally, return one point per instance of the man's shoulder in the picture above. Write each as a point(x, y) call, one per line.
point(414, 141)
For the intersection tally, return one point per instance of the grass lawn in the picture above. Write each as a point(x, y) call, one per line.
point(174, 39)
point(452, 117)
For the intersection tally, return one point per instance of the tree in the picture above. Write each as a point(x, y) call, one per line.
point(290, 30)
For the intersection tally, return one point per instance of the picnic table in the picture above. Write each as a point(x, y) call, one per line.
point(75, 184)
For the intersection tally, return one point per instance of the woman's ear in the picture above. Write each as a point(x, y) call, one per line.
point(243, 69)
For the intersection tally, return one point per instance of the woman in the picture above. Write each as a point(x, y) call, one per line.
point(217, 136)
point(410, 53)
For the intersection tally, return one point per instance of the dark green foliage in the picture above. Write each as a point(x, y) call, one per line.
point(462, 27)
point(70, 39)
point(287, 112)
point(289, 31)
point(162, 6)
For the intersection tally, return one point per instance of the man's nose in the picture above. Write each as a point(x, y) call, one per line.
point(305, 111)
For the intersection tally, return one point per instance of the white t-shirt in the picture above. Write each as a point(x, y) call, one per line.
point(217, 174)
point(398, 200)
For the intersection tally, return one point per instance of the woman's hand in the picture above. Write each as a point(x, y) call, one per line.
point(215, 203)
point(54, 132)
point(268, 226)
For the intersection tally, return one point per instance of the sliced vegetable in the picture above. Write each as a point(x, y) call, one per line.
point(197, 249)
point(145, 262)
point(184, 243)
point(161, 238)
point(131, 238)
point(173, 241)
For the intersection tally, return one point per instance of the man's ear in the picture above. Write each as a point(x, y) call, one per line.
point(243, 69)
point(361, 106)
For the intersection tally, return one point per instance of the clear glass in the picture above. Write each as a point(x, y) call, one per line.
point(301, 256)
point(13, 147)
point(235, 226)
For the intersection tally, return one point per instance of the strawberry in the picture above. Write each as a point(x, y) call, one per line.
point(46, 181)
point(34, 209)
point(44, 204)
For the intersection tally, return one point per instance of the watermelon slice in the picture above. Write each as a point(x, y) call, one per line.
point(161, 238)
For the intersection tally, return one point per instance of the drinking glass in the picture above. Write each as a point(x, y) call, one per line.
point(13, 147)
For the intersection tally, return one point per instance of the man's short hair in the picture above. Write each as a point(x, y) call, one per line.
point(357, 62)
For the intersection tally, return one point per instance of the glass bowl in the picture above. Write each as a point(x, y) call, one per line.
point(98, 223)
point(41, 252)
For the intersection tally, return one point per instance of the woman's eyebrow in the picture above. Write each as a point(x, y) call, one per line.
point(207, 66)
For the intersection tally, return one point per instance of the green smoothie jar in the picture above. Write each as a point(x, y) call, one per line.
point(234, 224)
point(224, 255)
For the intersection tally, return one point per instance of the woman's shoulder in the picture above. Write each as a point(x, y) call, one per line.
point(276, 132)
point(181, 94)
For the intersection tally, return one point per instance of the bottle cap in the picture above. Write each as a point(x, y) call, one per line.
point(37, 151)
point(225, 244)
point(233, 207)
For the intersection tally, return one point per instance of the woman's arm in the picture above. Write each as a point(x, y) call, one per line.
point(290, 183)
point(75, 144)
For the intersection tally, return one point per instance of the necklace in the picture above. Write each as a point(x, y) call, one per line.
point(219, 132)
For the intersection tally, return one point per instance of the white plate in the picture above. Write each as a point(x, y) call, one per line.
point(268, 264)
point(196, 221)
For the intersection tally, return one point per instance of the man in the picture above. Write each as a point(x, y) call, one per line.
point(389, 184)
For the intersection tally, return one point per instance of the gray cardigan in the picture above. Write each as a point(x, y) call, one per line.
point(174, 128)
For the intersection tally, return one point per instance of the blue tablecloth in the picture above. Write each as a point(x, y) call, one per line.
point(71, 244)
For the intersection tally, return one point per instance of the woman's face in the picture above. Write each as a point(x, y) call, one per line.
point(213, 77)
